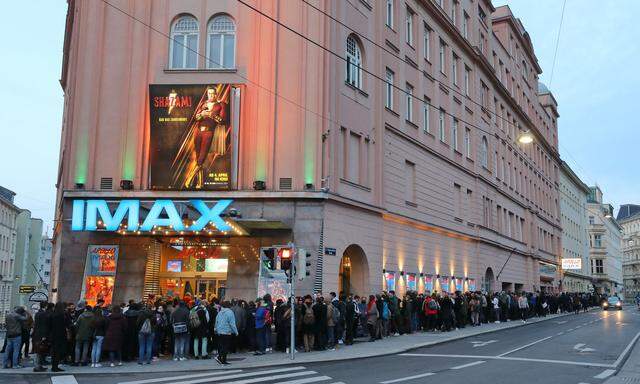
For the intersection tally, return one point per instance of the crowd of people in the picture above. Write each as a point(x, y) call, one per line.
point(197, 328)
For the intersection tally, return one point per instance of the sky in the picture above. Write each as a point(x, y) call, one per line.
point(595, 82)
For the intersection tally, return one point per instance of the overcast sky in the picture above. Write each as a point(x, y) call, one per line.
point(595, 82)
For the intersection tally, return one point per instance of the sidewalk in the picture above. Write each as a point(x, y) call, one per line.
point(361, 349)
point(630, 371)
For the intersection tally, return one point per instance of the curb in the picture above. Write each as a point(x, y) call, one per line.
point(286, 360)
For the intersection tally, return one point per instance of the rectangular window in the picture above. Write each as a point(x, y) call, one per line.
point(454, 69)
point(454, 134)
point(388, 100)
point(467, 142)
point(467, 80)
point(410, 185)
point(409, 111)
point(454, 12)
point(597, 241)
point(481, 42)
point(457, 201)
point(409, 26)
point(442, 55)
point(389, 20)
point(592, 220)
point(426, 42)
point(465, 26)
point(353, 170)
point(441, 126)
point(426, 126)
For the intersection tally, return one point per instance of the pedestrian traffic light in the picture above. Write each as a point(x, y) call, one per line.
point(285, 258)
point(269, 257)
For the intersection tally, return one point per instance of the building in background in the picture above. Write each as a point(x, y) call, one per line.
point(44, 261)
point(605, 242)
point(629, 219)
point(394, 170)
point(28, 244)
point(8, 240)
point(576, 273)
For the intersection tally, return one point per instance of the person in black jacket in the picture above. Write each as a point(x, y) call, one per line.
point(446, 311)
point(131, 338)
point(59, 334)
point(320, 314)
point(41, 331)
point(350, 320)
point(145, 327)
point(99, 330)
point(200, 333)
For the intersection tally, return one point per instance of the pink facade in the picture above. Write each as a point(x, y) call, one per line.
point(452, 195)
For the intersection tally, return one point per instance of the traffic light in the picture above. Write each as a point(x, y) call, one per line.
point(285, 258)
point(303, 263)
point(269, 257)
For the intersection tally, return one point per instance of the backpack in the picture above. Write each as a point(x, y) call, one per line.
point(385, 311)
point(146, 327)
point(194, 319)
point(309, 318)
point(335, 315)
point(433, 305)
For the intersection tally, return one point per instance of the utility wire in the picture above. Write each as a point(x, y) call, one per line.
point(555, 53)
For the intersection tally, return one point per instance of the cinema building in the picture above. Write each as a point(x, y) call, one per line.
point(383, 141)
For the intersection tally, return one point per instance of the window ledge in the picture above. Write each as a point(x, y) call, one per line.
point(354, 184)
point(201, 70)
point(411, 204)
point(363, 93)
point(391, 111)
point(411, 123)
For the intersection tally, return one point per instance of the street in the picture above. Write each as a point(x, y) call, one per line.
point(584, 348)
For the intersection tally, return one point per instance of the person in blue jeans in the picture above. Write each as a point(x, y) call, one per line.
point(146, 325)
point(262, 328)
point(179, 320)
point(99, 330)
point(14, 322)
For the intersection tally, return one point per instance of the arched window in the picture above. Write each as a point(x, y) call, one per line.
point(354, 62)
point(484, 153)
point(183, 50)
point(221, 43)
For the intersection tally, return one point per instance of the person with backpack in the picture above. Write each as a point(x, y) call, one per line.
point(385, 317)
point(145, 326)
point(333, 316)
point(199, 326)
point(320, 313)
point(179, 320)
point(99, 329)
point(308, 323)
point(84, 333)
point(430, 309)
point(372, 318)
point(263, 326)
point(350, 319)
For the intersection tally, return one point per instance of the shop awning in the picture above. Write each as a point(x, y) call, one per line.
point(255, 225)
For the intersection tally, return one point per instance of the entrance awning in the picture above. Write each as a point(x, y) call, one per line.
point(252, 226)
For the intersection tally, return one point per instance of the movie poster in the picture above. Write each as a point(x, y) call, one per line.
point(459, 285)
point(390, 279)
point(444, 283)
point(428, 283)
point(472, 285)
point(411, 282)
point(190, 137)
point(99, 274)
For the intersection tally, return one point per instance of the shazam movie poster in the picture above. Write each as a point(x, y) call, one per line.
point(190, 137)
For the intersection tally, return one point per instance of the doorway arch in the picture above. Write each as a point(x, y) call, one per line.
point(353, 277)
point(489, 280)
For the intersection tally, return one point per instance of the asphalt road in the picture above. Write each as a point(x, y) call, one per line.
point(575, 349)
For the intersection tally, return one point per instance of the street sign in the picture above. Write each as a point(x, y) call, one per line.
point(330, 251)
point(25, 289)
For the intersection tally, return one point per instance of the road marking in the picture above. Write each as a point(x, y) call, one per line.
point(578, 326)
point(468, 365)
point(64, 379)
point(560, 322)
point(219, 373)
point(604, 374)
point(626, 350)
point(482, 343)
point(307, 380)
point(559, 333)
point(580, 363)
point(408, 378)
point(581, 348)
point(525, 346)
point(254, 380)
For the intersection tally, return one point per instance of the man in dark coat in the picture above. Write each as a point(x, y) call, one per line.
point(350, 320)
point(446, 309)
point(41, 331)
point(114, 335)
point(130, 349)
point(320, 313)
point(59, 335)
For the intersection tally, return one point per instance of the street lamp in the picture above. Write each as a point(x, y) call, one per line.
point(525, 138)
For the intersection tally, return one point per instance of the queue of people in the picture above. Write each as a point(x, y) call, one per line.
point(197, 328)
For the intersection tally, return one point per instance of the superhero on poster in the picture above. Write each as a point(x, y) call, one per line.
point(190, 138)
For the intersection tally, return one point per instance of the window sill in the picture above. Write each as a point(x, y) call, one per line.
point(391, 111)
point(428, 133)
point(457, 152)
point(459, 220)
point(444, 143)
point(354, 184)
point(411, 204)
point(410, 46)
point(363, 93)
point(201, 70)
point(412, 124)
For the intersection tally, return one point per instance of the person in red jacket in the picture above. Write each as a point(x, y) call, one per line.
point(430, 309)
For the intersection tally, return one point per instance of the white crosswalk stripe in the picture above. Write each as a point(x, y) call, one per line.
point(286, 375)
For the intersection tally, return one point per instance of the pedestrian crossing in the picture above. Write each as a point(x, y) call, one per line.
point(285, 375)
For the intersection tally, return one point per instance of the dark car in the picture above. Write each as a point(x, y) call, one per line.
point(612, 302)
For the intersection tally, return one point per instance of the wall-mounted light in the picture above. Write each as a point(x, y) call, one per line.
point(126, 185)
point(437, 276)
point(259, 185)
point(466, 278)
point(308, 186)
point(421, 274)
point(384, 270)
point(401, 273)
point(79, 185)
point(453, 277)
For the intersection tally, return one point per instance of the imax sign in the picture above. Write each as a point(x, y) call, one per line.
point(163, 213)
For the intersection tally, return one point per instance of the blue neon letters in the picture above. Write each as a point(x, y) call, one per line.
point(87, 222)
